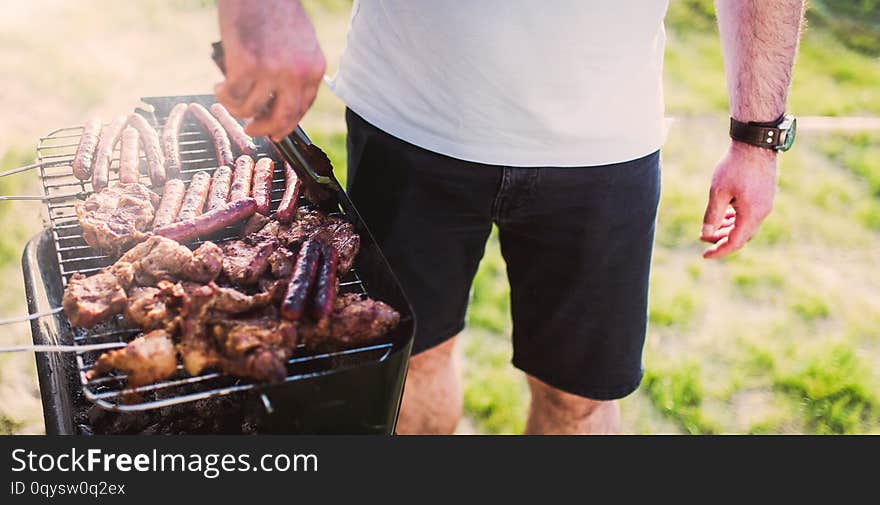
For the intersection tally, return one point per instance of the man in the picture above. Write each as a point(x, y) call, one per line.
point(545, 118)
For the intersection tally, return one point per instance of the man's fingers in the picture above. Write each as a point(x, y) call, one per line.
point(746, 227)
point(716, 210)
point(280, 121)
point(233, 92)
point(258, 99)
point(718, 235)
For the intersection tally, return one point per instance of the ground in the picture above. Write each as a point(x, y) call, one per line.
point(783, 337)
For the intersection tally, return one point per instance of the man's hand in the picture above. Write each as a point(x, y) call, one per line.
point(274, 65)
point(740, 197)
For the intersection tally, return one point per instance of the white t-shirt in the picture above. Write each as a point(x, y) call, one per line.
point(510, 82)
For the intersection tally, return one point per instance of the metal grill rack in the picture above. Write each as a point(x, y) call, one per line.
point(55, 153)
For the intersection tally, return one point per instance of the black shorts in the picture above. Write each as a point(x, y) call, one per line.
point(577, 243)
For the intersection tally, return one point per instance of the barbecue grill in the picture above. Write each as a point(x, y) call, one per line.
point(356, 390)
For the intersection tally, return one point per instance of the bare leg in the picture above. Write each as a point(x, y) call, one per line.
point(555, 412)
point(432, 398)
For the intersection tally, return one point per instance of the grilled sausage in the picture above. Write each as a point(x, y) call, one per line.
point(152, 149)
point(216, 131)
point(243, 142)
point(218, 195)
point(85, 151)
point(301, 281)
point(101, 168)
point(264, 171)
point(287, 207)
point(170, 142)
point(129, 171)
point(196, 194)
point(325, 289)
point(169, 207)
point(242, 178)
point(209, 222)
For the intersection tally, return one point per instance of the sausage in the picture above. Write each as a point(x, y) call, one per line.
point(243, 142)
point(169, 207)
point(264, 171)
point(170, 143)
point(301, 281)
point(218, 195)
point(287, 207)
point(242, 178)
point(152, 149)
point(109, 138)
point(129, 160)
point(325, 289)
point(85, 151)
point(196, 194)
point(209, 222)
point(216, 131)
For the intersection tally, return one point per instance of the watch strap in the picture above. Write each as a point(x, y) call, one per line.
point(757, 134)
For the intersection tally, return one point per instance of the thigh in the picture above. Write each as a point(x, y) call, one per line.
point(578, 258)
point(430, 214)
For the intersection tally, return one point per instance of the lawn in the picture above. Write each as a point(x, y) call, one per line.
point(783, 337)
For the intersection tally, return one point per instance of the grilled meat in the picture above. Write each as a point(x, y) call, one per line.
point(159, 258)
point(218, 195)
point(129, 171)
point(170, 141)
point(215, 131)
point(245, 261)
point(313, 224)
point(196, 194)
point(209, 222)
point(152, 149)
point(243, 142)
point(146, 359)
point(172, 201)
point(287, 206)
point(152, 308)
point(90, 300)
point(264, 172)
point(85, 151)
point(354, 321)
point(106, 143)
point(257, 347)
point(116, 218)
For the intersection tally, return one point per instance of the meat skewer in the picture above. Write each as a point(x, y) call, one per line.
point(215, 130)
point(101, 167)
point(85, 151)
point(325, 289)
point(243, 142)
point(170, 143)
point(287, 206)
point(209, 222)
point(218, 195)
point(196, 194)
point(264, 172)
point(294, 302)
point(152, 149)
point(242, 178)
point(129, 171)
point(172, 200)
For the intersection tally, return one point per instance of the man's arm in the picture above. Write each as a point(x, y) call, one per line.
point(759, 40)
point(272, 54)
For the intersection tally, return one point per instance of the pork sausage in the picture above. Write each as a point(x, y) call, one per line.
point(85, 151)
point(169, 207)
point(170, 141)
point(129, 156)
point(287, 206)
point(209, 222)
point(109, 137)
point(218, 195)
point(242, 178)
point(264, 172)
point(243, 142)
point(301, 281)
point(215, 131)
point(196, 194)
point(325, 289)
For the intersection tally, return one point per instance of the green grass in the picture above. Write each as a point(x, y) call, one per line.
point(678, 393)
point(834, 391)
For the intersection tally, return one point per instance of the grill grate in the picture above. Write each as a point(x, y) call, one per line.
point(55, 153)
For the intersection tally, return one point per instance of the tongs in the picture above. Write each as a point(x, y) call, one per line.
point(309, 162)
point(52, 348)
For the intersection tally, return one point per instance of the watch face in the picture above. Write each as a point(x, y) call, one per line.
point(789, 135)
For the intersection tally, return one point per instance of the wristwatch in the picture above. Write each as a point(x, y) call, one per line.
point(777, 135)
